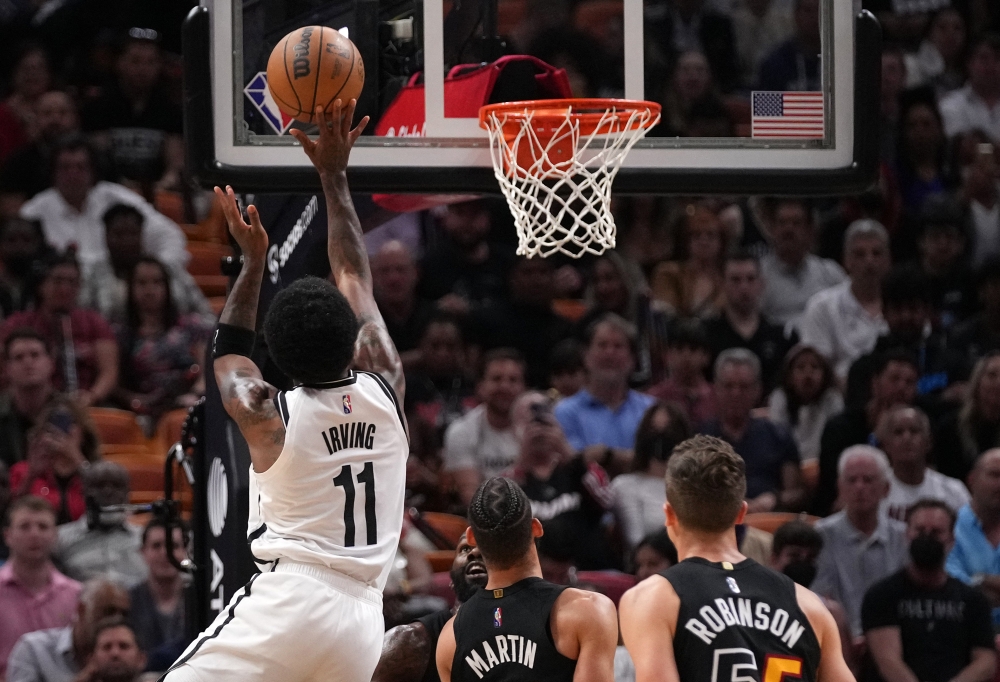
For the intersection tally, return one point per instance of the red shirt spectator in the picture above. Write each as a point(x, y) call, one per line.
point(33, 594)
point(58, 449)
point(87, 367)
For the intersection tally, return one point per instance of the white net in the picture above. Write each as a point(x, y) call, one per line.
point(557, 179)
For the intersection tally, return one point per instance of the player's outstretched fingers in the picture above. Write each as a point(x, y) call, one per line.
point(308, 146)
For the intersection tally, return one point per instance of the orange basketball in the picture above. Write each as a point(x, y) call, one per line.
point(313, 66)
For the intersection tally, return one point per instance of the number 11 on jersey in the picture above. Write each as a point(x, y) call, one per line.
point(345, 479)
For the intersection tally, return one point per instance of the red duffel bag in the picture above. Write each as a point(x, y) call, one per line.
point(467, 87)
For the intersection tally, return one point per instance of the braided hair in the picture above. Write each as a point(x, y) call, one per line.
point(500, 516)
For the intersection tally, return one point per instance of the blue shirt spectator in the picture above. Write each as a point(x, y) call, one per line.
point(975, 558)
point(588, 421)
point(605, 412)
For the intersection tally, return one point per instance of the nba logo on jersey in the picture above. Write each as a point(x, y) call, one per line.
point(497, 617)
point(732, 585)
point(347, 404)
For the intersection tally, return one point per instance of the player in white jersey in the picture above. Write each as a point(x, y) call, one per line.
point(328, 457)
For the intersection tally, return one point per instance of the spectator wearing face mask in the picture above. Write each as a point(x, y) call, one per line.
point(921, 623)
point(795, 550)
point(101, 544)
point(641, 494)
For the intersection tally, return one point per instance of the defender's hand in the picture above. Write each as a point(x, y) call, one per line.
point(336, 139)
point(252, 238)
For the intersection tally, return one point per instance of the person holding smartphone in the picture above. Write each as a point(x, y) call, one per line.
point(60, 446)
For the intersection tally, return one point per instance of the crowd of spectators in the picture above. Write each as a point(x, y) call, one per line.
point(847, 347)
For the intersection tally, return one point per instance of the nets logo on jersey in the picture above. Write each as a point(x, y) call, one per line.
point(347, 404)
point(497, 617)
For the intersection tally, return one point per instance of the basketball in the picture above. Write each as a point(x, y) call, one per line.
point(314, 66)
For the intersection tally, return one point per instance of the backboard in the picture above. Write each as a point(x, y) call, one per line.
point(812, 133)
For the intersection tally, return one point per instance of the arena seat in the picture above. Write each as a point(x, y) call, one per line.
point(117, 427)
point(599, 18)
point(168, 430)
point(449, 526)
point(612, 584)
point(170, 204)
point(206, 258)
point(771, 521)
point(441, 560)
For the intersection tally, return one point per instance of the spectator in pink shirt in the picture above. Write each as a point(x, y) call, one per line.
point(33, 594)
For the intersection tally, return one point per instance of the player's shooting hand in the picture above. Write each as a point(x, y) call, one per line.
point(336, 139)
point(252, 238)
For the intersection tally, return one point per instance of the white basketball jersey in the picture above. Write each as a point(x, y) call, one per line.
point(335, 495)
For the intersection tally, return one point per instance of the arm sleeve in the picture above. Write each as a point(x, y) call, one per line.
point(458, 447)
point(878, 609)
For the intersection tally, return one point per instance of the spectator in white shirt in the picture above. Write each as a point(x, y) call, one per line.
point(482, 444)
point(72, 210)
point(790, 272)
point(844, 322)
point(641, 494)
point(977, 105)
point(905, 435)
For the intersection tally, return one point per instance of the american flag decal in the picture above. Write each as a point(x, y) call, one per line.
point(788, 114)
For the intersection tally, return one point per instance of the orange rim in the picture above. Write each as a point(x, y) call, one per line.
point(553, 112)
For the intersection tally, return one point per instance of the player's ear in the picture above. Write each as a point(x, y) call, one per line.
point(670, 514)
point(741, 514)
point(469, 537)
point(537, 530)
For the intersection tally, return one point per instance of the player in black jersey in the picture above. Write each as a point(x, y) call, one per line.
point(717, 616)
point(521, 628)
point(408, 650)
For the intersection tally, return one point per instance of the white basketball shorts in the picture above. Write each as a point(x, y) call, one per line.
point(297, 623)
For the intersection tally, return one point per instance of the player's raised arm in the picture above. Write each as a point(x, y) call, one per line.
point(375, 350)
point(245, 395)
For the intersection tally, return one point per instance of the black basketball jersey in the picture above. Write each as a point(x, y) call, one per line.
point(434, 623)
point(503, 635)
point(740, 622)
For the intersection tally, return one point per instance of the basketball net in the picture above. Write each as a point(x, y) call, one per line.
point(555, 161)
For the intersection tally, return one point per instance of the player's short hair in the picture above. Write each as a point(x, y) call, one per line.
point(796, 534)
point(502, 355)
point(500, 516)
point(706, 483)
point(310, 331)
point(928, 503)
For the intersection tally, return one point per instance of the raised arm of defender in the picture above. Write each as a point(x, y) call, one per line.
point(375, 350)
